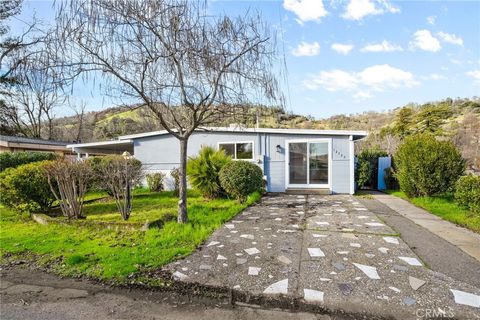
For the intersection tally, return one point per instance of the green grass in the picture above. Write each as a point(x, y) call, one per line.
point(114, 253)
point(445, 208)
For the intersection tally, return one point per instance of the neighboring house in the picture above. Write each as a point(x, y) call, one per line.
point(291, 159)
point(21, 144)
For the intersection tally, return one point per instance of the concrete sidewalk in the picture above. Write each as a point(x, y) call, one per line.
point(331, 252)
point(466, 240)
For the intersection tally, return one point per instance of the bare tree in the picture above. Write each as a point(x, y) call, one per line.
point(79, 110)
point(31, 104)
point(119, 174)
point(184, 65)
point(30, 87)
point(68, 180)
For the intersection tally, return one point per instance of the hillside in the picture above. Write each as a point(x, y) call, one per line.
point(457, 120)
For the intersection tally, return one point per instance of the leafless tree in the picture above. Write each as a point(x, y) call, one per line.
point(171, 56)
point(31, 104)
point(119, 174)
point(79, 110)
point(31, 88)
point(68, 180)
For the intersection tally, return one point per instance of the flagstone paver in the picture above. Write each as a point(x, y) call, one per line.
point(326, 250)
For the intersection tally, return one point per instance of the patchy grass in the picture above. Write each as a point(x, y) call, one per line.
point(445, 208)
point(114, 253)
point(363, 194)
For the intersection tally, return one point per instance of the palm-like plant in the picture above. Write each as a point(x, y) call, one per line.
point(203, 170)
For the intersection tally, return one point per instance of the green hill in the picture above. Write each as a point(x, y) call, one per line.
point(457, 120)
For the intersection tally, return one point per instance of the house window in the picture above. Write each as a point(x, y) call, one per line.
point(238, 150)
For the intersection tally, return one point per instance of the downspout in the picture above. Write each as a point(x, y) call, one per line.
point(352, 165)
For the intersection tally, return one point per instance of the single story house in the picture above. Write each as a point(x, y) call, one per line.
point(22, 144)
point(291, 159)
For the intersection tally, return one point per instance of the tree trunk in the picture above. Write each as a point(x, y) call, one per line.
point(182, 188)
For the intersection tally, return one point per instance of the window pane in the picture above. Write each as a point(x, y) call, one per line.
point(297, 156)
point(229, 149)
point(319, 163)
point(244, 151)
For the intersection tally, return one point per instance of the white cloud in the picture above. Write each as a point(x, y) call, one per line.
point(306, 10)
point(374, 78)
point(456, 61)
point(361, 95)
point(431, 20)
point(384, 46)
point(342, 48)
point(450, 38)
point(436, 76)
point(424, 40)
point(382, 76)
point(359, 9)
point(475, 74)
point(333, 80)
point(305, 49)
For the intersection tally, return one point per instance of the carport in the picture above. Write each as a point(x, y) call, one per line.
point(102, 148)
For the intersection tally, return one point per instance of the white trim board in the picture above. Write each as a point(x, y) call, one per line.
point(359, 134)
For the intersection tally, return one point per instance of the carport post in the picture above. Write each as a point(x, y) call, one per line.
point(352, 165)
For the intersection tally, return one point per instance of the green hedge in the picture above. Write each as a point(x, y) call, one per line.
point(367, 167)
point(241, 178)
point(427, 166)
point(15, 159)
point(25, 188)
point(467, 193)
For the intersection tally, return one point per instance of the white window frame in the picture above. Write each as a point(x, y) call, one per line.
point(235, 143)
point(287, 164)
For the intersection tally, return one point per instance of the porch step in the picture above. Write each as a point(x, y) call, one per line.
point(308, 191)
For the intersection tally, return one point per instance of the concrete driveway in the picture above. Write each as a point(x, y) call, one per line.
point(330, 252)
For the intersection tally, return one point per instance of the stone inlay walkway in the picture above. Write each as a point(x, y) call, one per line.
point(327, 250)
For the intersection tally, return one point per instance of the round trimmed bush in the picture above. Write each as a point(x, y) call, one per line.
point(25, 188)
point(241, 178)
point(427, 166)
point(155, 181)
point(467, 193)
point(203, 171)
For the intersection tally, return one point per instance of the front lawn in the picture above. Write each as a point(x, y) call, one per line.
point(114, 253)
point(445, 208)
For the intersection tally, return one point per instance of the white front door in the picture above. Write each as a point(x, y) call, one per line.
point(308, 163)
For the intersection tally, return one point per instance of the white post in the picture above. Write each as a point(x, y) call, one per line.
point(352, 165)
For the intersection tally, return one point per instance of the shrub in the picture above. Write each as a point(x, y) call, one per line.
point(391, 181)
point(175, 174)
point(426, 166)
point(15, 159)
point(25, 188)
point(155, 181)
point(241, 178)
point(69, 180)
point(367, 166)
point(118, 174)
point(203, 171)
point(96, 182)
point(467, 192)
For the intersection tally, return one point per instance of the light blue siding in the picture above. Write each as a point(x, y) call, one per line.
point(161, 153)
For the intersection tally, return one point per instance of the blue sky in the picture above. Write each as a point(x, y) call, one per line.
point(355, 55)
